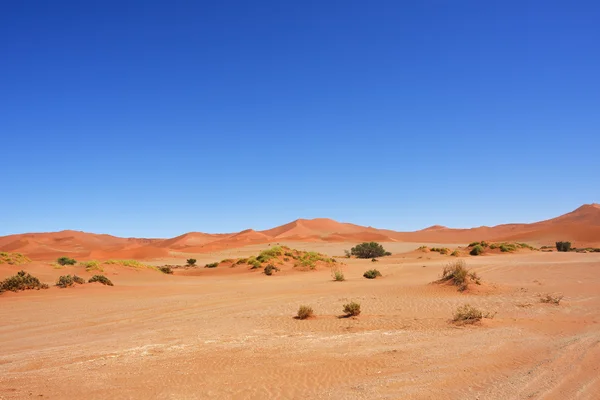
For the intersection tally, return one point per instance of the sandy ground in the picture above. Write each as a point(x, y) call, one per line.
point(230, 333)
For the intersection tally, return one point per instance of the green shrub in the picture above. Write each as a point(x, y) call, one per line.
point(352, 309)
point(455, 253)
point(563, 246)
point(21, 281)
point(304, 312)
point(269, 269)
point(477, 250)
point(507, 248)
point(65, 281)
point(212, 265)
point(166, 269)
point(372, 274)
point(347, 253)
point(387, 253)
point(102, 279)
point(254, 263)
point(267, 255)
point(66, 261)
point(191, 262)
point(241, 261)
point(368, 250)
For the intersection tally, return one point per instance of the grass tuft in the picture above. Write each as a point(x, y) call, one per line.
point(305, 312)
point(101, 279)
point(352, 309)
point(372, 274)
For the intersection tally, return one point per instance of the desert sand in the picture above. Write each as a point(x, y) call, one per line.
point(231, 333)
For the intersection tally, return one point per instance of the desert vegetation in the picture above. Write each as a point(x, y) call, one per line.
point(191, 262)
point(551, 298)
point(101, 279)
point(369, 250)
point(66, 261)
point(212, 265)
point(166, 270)
point(372, 274)
point(337, 274)
point(467, 314)
point(351, 309)
point(563, 246)
point(441, 250)
point(305, 312)
point(66, 281)
point(21, 281)
point(458, 275)
point(92, 266)
point(13, 258)
point(269, 269)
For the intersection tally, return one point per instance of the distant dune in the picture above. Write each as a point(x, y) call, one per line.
point(581, 226)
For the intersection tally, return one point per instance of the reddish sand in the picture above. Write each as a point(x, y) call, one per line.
point(582, 227)
point(230, 333)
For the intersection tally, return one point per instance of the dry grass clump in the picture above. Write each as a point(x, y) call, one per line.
point(441, 250)
point(13, 258)
point(66, 261)
point(166, 270)
point(337, 274)
point(92, 266)
point(457, 273)
point(102, 279)
point(468, 314)
point(212, 265)
point(352, 309)
point(372, 274)
point(21, 281)
point(455, 253)
point(66, 281)
point(305, 312)
point(551, 299)
point(128, 263)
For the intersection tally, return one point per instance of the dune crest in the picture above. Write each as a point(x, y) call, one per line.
point(581, 226)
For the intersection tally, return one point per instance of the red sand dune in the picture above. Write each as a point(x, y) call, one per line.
point(581, 226)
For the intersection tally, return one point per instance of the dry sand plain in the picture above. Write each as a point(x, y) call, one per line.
point(230, 333)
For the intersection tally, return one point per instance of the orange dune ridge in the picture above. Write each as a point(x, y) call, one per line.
point(582, 227)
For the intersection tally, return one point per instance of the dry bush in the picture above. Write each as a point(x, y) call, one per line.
point(468, 314)
point(551, 299)
point(66, 281)
point(269, 269)
point(166, 270)
point(457, 273)
point(304, 312)
point(352, 309)
point(102, 279)
point(21, 281)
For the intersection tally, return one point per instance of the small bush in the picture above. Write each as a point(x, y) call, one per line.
point(467, 314)
point(241, 261)
point(552, 299)
point(254, 263)
point(455, 253)
point(477, 250)
point(347, 253)
point(68, 280)
point(269, 269)
point(167, 270)
point(66, 261)
point(387, 254)
point(458, 273)
point(191, 262)
point(507, 247)
point(374, 260)
point(305, 312)
point(102, 279)
point(372, 274)
point(563, 246)
point(441, 250)
point(21, 281)
point(352, 309)
point(368, 250)
point(337, 274)
point(212, 265)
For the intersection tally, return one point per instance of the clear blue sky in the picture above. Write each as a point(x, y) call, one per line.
point(148, 118)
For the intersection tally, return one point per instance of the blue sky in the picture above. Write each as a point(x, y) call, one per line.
point(148, 118)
